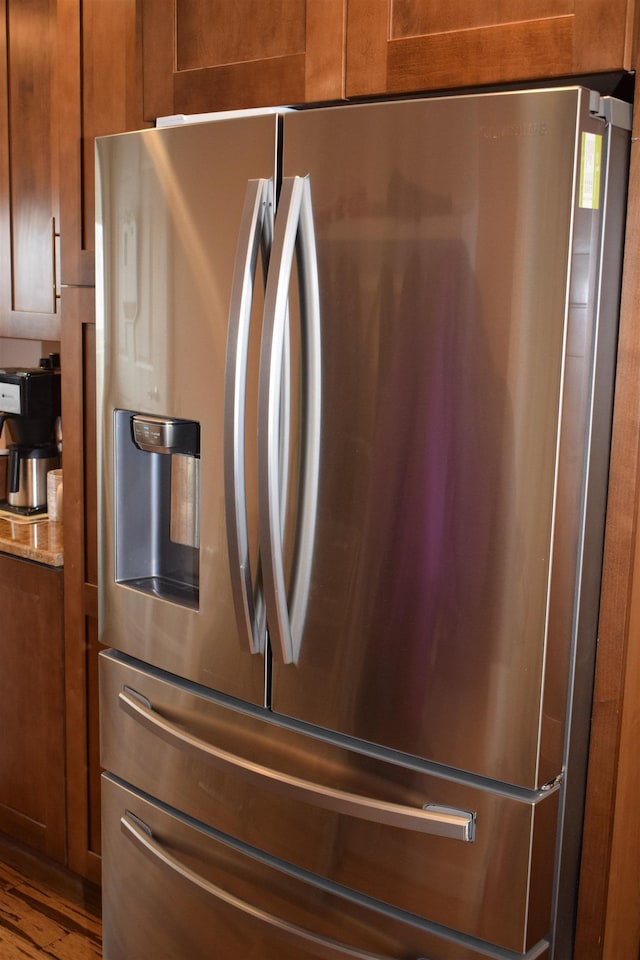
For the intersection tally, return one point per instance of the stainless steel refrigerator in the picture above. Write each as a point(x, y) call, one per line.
point(355, 382)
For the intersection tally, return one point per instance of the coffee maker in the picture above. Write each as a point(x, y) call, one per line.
point(30, 405)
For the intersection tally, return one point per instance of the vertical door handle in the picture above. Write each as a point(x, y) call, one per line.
point(293, 234)
point(254, 236)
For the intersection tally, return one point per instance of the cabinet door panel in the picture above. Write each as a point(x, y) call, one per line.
point(405, 45)
point(276, 29)
point(201, 56)
point(100, 93)
point(28, 171)
point(32, 788)
point(413, 18)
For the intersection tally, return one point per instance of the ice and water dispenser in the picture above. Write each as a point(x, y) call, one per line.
point(158, 505)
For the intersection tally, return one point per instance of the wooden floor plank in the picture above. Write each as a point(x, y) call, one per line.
point(21, 919)
point(37, 923)
point(9, 877)
point(74, 947)
point(71, 917)
point(15, 947)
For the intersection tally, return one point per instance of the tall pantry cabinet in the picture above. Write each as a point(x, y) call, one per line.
point(100, 93)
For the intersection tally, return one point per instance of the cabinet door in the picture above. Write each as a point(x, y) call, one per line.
point(80, 581)
point(28, 170)
point(403, 45)
point(100, 93)
point(32, 787)
point(203, 55)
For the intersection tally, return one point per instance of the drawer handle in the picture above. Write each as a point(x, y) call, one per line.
point(432, 819)
point(138, 832)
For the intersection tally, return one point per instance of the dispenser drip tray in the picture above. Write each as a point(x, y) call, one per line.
point(165, 589)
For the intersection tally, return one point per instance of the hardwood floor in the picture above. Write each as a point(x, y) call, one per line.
point(37, 922)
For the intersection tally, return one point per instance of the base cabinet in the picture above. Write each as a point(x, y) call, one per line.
point(32, 754)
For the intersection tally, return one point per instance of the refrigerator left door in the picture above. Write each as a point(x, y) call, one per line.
point(183, 219)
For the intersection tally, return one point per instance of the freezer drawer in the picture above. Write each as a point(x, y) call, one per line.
point(204, 896)
point(475, 858)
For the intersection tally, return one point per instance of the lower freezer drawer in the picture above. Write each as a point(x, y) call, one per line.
point(174, 890)
point(483, 867)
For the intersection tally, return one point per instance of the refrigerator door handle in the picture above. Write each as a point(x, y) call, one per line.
point(142, 837)
point(293, 235)
point(255, 234)
point(437, 820)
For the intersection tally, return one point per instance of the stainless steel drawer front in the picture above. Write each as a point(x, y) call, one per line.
point(341, 815)
point(203, 896)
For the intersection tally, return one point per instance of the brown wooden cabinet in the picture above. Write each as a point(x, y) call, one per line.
point(32, 748)
point(396, 46)
point(202, 55)
point(29, 279)
point(80, 579)
point(101, 93)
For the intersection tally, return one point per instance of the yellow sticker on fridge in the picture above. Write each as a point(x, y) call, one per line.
point(590, 167)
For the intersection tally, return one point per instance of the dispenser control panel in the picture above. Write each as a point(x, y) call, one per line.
point(166, 435)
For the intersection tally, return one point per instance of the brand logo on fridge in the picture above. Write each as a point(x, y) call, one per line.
point(536, 128)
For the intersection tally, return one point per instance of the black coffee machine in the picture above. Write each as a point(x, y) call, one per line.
point(30, 402)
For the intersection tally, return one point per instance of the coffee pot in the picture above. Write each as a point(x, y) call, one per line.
point(30, 404)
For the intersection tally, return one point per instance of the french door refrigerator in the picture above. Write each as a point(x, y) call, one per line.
point(355, 383)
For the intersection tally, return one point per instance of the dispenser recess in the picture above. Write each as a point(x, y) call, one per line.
point(157, 496)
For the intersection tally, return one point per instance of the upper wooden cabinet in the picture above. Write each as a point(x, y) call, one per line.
point(100, 93)
point(397, 46)
point(202, 55)
point(100, 83)
point(29, 277)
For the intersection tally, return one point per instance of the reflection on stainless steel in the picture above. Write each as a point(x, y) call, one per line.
point(185, 500)
point(347, 710)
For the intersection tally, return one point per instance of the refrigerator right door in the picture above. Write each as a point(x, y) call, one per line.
point(457, 247)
